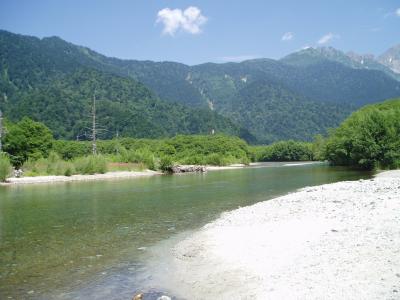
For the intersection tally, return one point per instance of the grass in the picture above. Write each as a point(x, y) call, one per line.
point(93, 164)
point(118, 166)
point(5, 167)
point(98, 164)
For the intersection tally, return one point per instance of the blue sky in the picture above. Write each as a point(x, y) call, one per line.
point(194, 32)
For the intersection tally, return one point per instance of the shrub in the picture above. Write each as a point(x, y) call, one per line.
point(53, 165)
point(185, 149)
point(166, 164)
point(72, 149)
point(194, 160)
point(69, 171)
point(5, 167)
point(245, 160)
point(215, 159)
point(144, 156)
point(284, 151)
point(368, 139)
point(319, 147)
point(93, 164)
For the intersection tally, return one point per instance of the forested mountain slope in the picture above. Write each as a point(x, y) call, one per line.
point(50, 81)
point(295, 97)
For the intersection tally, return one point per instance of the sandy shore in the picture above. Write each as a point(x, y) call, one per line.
point(108, 175)
point(335, 241)
point(261, 165)
point(120, 175)
point(50, 179)
point(230, 167)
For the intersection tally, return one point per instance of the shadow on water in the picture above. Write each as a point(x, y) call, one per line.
point(89, 239)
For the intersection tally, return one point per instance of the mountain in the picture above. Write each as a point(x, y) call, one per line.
point(54, 82)
point(312, 56)
point(391, 59)
point(263, 100)
point(273, 112)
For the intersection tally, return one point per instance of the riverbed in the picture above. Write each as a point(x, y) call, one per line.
point(97, 239)
point(335, 241)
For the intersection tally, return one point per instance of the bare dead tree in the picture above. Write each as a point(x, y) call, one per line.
point(1, 131)
point(94, 146)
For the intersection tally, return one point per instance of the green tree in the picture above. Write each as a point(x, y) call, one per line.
point(27, 139)
point(285, 151)
point(369, 138)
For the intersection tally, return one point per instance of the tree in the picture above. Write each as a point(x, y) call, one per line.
point(27, 139)
point(369, 138)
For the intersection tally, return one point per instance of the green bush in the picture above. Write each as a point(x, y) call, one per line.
point(143, 156)
point(184, 149)
point(319, 148)
point(246, 161)
point(35, 167)
point(93, 164)
point(284, 151)
point(69, 170)
point(166, 163)
point(214, 159)
point(5, 167)
point(368, 139)
point(53, 165)
point(72, 149)
point(194, 159)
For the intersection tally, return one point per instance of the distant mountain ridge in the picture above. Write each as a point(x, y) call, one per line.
point(263, 100)
point(391, 59)
point(351, 59)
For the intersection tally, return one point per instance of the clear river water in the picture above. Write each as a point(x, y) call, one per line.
point(89, 240)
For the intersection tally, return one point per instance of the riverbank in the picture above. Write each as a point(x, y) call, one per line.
point(92, 177)
point(126, 174)
point(105, 176)
point(262, 165)
point(334, 241)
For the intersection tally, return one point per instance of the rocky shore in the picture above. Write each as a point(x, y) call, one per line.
point(51, 179)
point(335, 241)
point(177, 169)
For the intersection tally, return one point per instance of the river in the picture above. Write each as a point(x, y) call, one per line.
point(83, 240)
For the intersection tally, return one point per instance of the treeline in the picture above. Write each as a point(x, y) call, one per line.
point(30, 146)
point(368, 139)
point(285, 151)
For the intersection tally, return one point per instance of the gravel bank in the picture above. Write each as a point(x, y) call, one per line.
point(51, 179)
point(335, 241)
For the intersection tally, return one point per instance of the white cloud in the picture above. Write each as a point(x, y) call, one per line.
point(392, 13)
point(375, 29)
point(189, 20)
point(238, 58)
point(287, 36)
point(327, 38)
